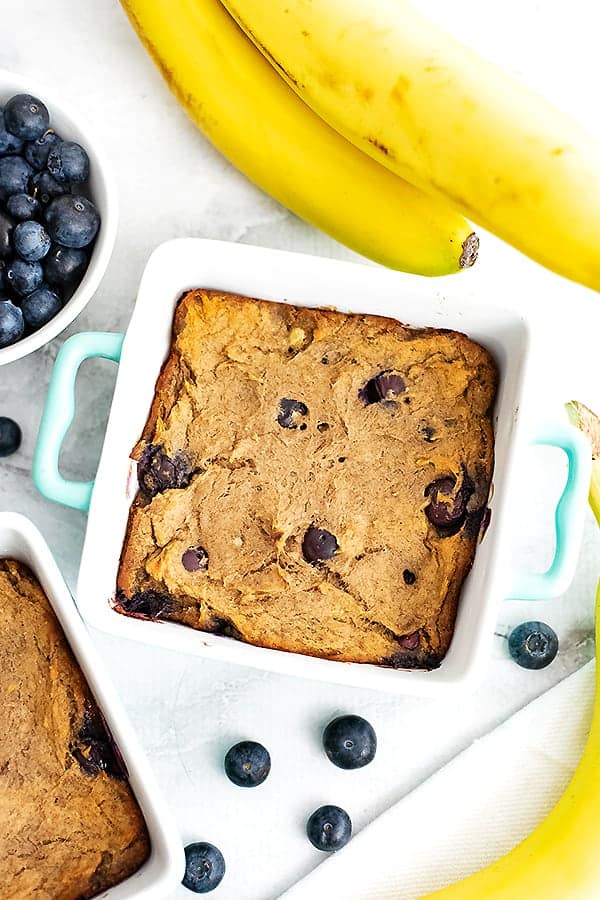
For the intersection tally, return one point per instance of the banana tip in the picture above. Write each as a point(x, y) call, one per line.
point(470, 251)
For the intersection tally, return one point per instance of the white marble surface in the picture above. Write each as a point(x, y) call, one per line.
point(172, 183)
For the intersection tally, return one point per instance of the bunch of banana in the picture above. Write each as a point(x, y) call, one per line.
point(560, 859)
point(435, 113)
point(246, 109)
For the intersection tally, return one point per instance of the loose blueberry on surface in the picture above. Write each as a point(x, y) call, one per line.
point(318, 545)
point(290, 412)
point(195, 559)
point(14, 176)
point(247, 764)
point(533, 645)
point(150, 604)
point(9, 143)
point(7, 227)
point(68, 162)
point(158, 472)
point(40, 306)
point(447, 508)
point(329, 828)
point(23, 207)
point(72, 221)
point(46, 188)
point(31, 241)
point(65, 266)
point(36, 152)
point(24, 277)
point(204, 867)
point(409, 577)
point(12, 324)
point(385, 386)
point(26, 117)
point(350, 742)
point(10, 436)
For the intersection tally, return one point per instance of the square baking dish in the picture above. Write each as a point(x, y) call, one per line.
point(183, 264)
point(162, 871)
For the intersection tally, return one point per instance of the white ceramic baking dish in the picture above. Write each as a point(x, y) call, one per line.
point(306, 281)
point(19, 539)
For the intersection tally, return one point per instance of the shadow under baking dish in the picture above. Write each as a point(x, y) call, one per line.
point(301, 280)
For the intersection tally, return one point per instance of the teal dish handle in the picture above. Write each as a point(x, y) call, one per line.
point(58, 415)
point(568, 519)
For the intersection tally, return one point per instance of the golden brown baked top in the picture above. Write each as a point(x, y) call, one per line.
point(311, 481)
point(68, 828)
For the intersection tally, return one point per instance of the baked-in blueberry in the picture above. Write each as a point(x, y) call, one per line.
point(96, 750)
point(195, 559)
point(46, 188)
point(9, 143)
point(533, 645)
point(7, 227)
point(72, 221)
point(23, 277)
point(158, 472)
point(23, 207)
point(68, 162)
point(14, 176)
point(447, 508)
point(10, 436)
point(12, 324)
point(204, 867)
point(26, 117)
point(410, 641)
point(290, 412)
point(247, 764)
point(350, 742)
point(40, 307)
point(409, 577)
point(31, 241)
point(318, 544)
point(385, 386)
point(329, 828)
point(36, 152)
point(65, 266)
point(150, 604)
point(428, 433)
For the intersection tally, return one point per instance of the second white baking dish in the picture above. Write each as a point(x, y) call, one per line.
point(306, 281)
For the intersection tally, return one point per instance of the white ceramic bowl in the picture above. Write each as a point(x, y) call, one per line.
point(308, 281)
point(162, 872)
point(101, 189)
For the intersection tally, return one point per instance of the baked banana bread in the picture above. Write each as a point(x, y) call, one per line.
point(69, 824)
point(311, 481)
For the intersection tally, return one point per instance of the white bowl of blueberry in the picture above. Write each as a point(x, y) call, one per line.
point(58, 217)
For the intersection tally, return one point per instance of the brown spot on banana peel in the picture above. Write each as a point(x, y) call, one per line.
point(470, 251)
point(381, 147)
point(267, 53)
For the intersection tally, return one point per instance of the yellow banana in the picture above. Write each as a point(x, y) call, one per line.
point(252, 116)
point(437, 114)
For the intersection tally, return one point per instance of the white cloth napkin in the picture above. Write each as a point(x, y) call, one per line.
point(469, 813)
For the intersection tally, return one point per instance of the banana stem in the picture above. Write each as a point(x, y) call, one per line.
point(588, 422)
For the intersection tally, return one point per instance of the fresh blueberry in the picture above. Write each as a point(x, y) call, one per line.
point(46, 188)
point(195, 559)
point(23, 277)
point(533, 645)
point(385, 386)
point(68, 163)
point(3, 284)
point(329, 828)
point(65, 266)
point(350, 742)
point(9, 144)
point(6, 232)
point(26, 117)
point(12, 324)
point(40, 306)
point(290, 412)
point(72, 221)
point(10, 436)
point(318, 545)
point(14, 176)
point(247, 764)
point(23, 207)
point(36, 152)
point(31, 241)
point(204, 867)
